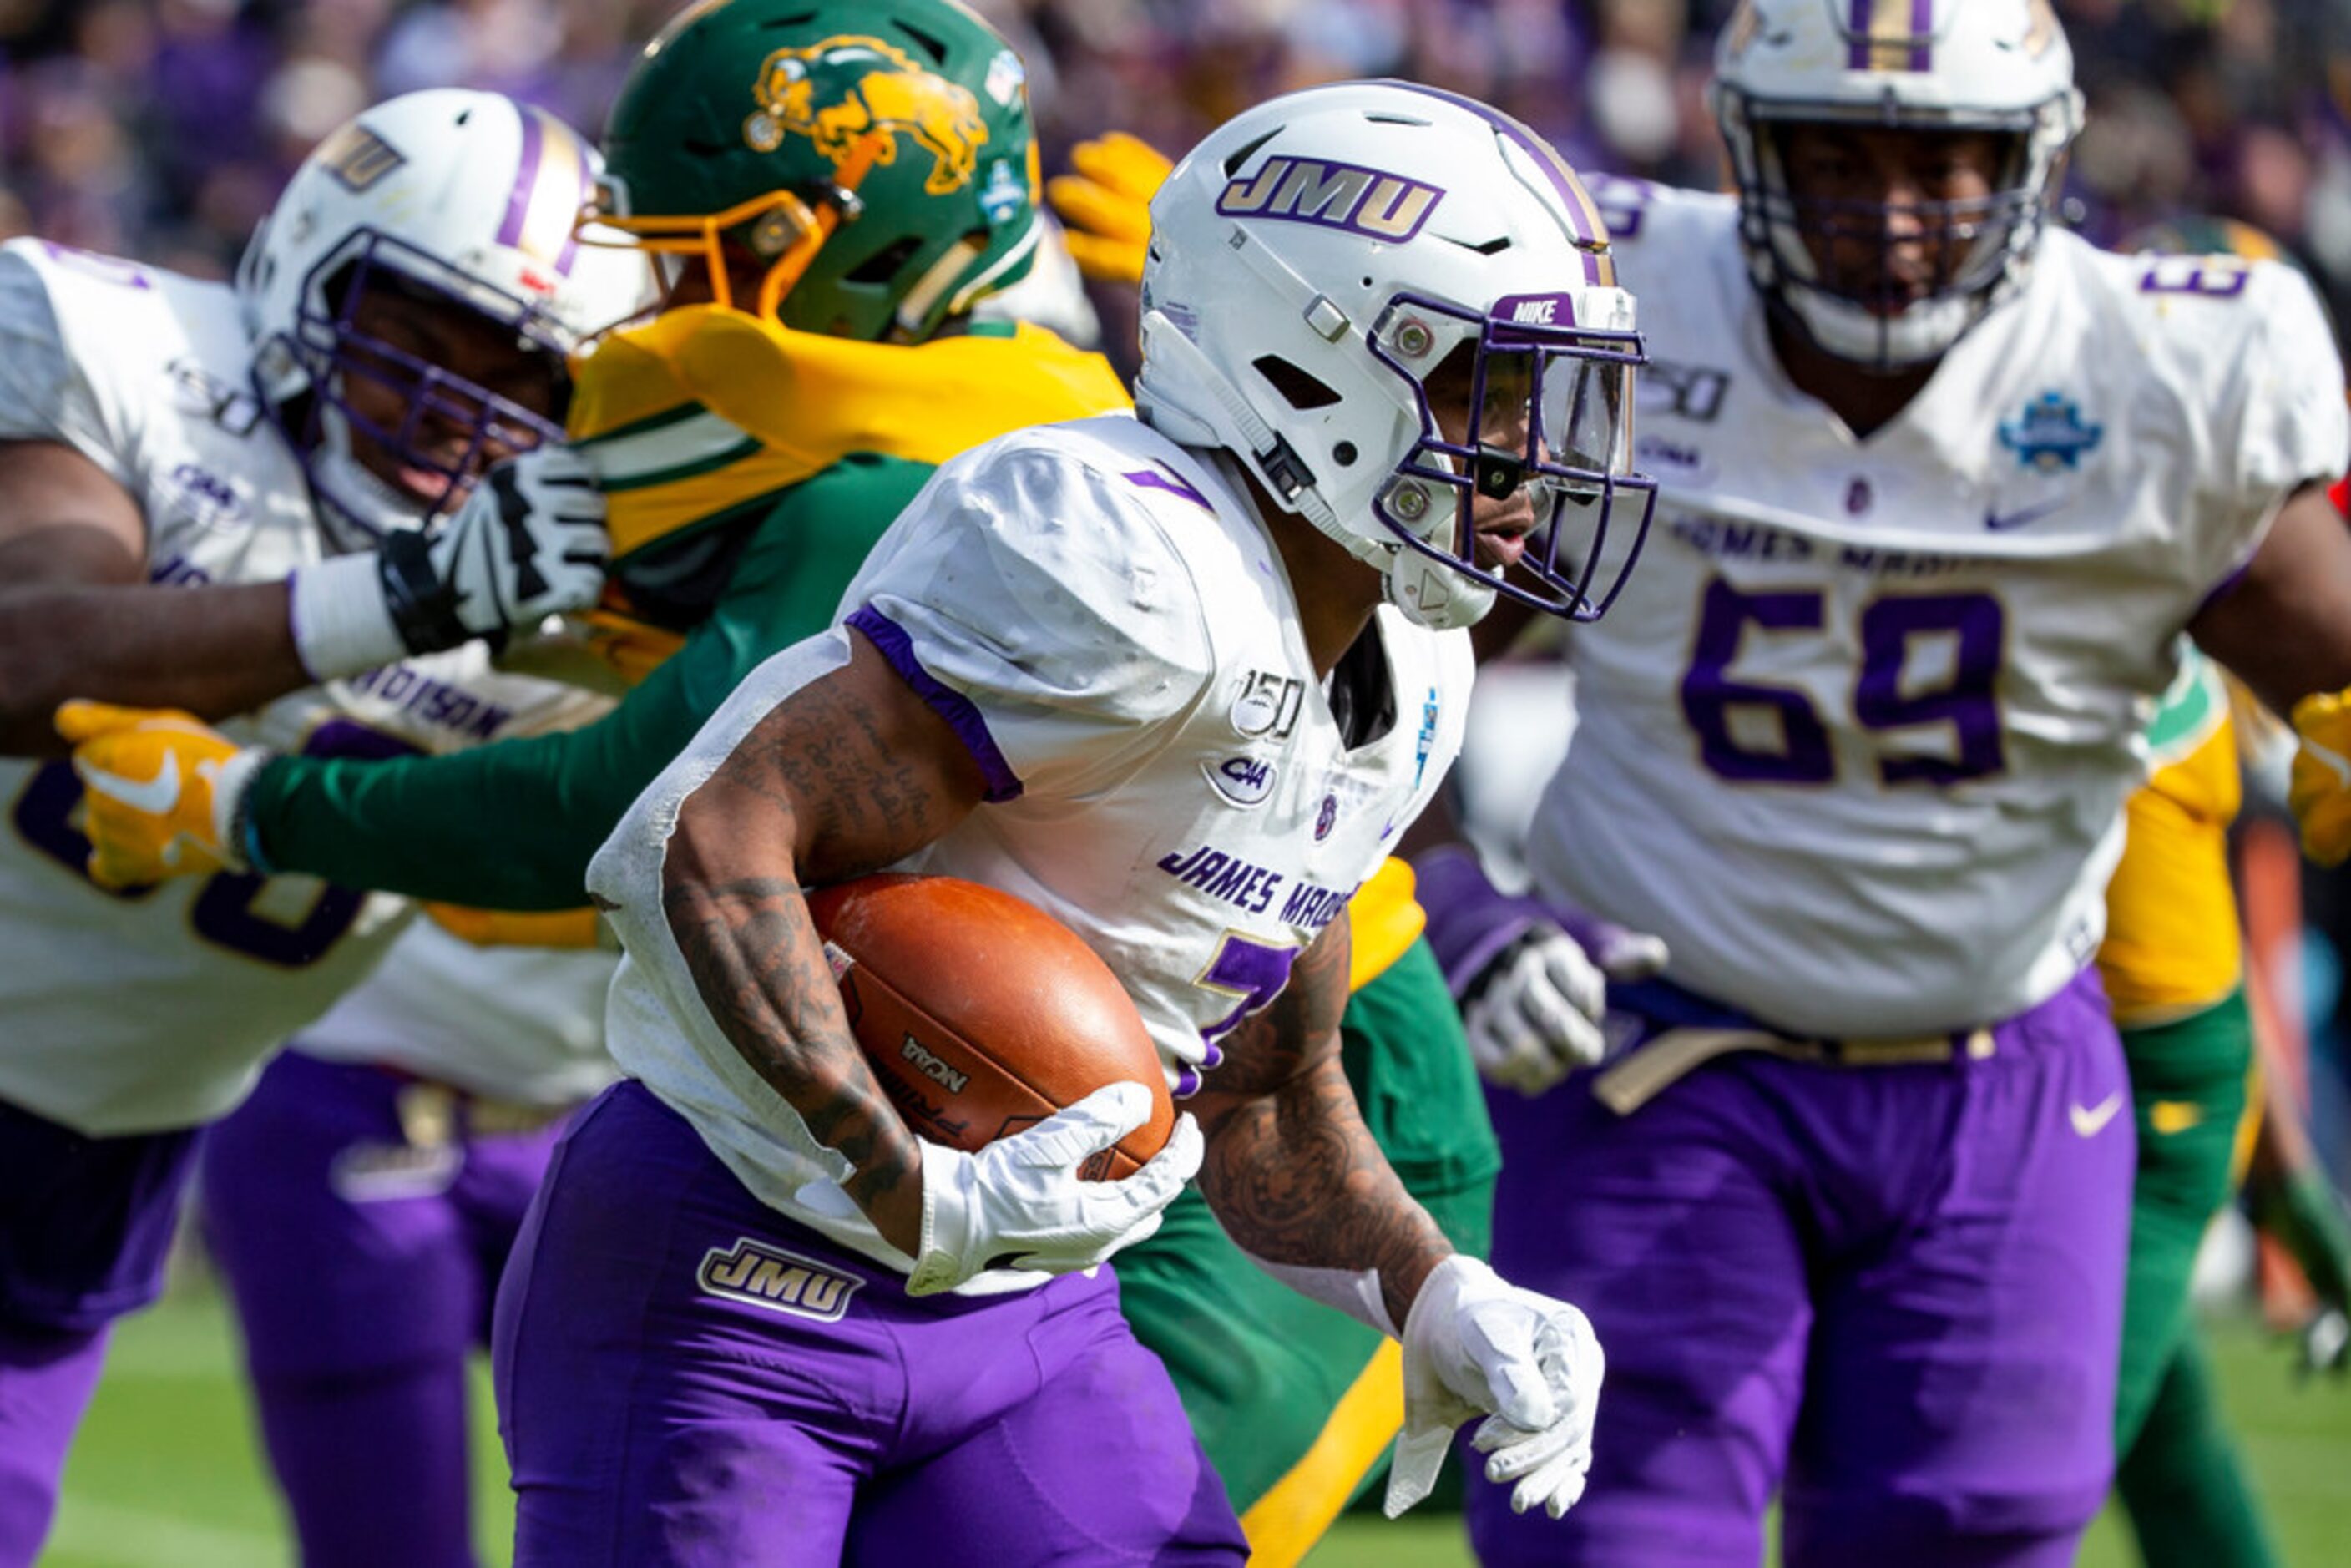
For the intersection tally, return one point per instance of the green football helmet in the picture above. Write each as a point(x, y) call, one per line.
point(875, 156)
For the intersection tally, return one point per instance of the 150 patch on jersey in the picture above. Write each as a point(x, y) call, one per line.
point(1268, 704)
point(775, 1280)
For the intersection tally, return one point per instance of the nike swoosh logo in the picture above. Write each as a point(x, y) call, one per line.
point(2332, 759)
point(2002, 522)
point(156, 796)
point(2090, 1121)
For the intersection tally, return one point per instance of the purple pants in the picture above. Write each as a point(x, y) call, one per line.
point(85, 1227)
point(1893, 1294)
point(686, 1377)
point(363, 1263)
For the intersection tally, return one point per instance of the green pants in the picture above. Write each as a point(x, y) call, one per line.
point(2178, 1473)
point(1294, 1401)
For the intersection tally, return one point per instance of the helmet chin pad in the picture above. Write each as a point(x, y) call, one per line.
point(1888, 344)
point(1432, 595)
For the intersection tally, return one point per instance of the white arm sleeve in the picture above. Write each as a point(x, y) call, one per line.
point(1354, 1292)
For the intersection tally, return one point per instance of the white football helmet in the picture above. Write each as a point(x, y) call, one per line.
point(2000, 66)
point(1314, 260)
point(441, 195)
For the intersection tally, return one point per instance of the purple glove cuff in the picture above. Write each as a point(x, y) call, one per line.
point(1471, 921)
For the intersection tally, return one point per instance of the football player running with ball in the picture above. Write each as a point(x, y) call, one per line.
point(1941, 490)
point(172, 451)
point(1035, 677)
point(751, 457)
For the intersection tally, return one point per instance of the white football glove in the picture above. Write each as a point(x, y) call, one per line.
point(1535, 1016)
point(1019, 1202)
point(1474, 1343)
point(1531, 973)
point(527, 542)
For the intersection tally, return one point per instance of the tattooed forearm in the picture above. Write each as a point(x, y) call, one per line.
point(761, 968)
point(1292, 1171)
point(828, 758)
point(848, 774)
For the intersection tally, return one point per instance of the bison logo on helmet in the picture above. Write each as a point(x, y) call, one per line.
point(839, 91)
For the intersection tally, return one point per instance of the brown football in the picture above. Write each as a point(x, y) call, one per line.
point(981, 1014)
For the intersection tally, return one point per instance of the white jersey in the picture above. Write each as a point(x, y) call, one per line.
point(1855, 739)
point(1105, 619)
point(519, 1024)
point(153, 1010)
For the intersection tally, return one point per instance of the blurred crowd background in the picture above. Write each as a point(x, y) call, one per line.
point(161, 128)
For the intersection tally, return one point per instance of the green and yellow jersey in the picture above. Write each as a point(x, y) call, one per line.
point(749, 470)
point(2172, 946)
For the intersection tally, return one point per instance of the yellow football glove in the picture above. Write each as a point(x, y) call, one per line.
point(1107, 204)
point(161, 791)
point(2320, 791)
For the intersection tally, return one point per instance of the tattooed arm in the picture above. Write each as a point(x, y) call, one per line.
point(1292, 1171)
point(850, 773)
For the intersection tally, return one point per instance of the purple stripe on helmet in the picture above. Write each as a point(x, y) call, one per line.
point(890, 640)
point(563, 257)
point(1922, 28)
point(1582, 217)
point(1858, 29)
point(526, 180)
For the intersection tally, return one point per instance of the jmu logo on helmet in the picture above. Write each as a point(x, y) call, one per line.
point(358, 158)
point(841, 90)
point(1335, 196)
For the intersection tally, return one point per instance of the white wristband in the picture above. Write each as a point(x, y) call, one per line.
point(341, 626)
point(229, 785)
point(941, 1261)
point(1354, 1292)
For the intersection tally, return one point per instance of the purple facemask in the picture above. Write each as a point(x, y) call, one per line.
point(1552, 406)
point(333, 354)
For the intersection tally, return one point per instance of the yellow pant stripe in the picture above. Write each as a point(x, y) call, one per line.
point(1290, 1519)
point(1384, 920)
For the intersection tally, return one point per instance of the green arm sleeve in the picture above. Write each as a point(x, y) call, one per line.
point(514, 824)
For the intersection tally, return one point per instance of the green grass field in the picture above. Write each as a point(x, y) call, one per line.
point(167, 1470)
